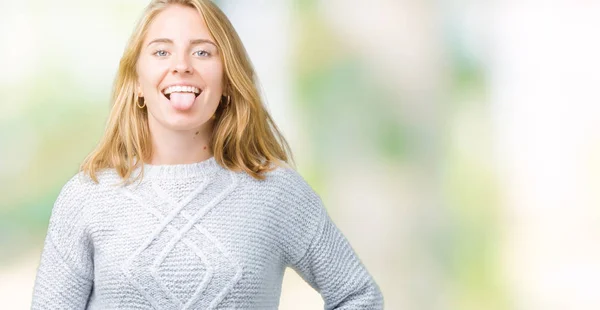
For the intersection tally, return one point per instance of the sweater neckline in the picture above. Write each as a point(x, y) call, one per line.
point(201, 169)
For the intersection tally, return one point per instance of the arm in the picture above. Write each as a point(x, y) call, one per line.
point(318, 251)
point(331, 267)
point(65, 275)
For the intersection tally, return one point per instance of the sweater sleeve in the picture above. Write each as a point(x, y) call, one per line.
point(329, 263)
point(65, 274)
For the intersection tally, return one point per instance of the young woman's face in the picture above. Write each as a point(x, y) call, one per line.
point(180, 73)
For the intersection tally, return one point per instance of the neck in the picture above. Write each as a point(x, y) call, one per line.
point(180, 147)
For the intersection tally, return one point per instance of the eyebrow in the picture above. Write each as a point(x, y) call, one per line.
point(192, 42)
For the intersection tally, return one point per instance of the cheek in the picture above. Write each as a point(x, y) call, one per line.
point(143, 77)
point(149, 74)
point(214, 75)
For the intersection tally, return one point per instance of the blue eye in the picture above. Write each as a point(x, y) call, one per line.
point(160, 53)
point(205, 53)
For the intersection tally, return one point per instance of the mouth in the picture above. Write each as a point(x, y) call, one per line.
point(181, 89)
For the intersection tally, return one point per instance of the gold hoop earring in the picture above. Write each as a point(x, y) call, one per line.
point(138, 103)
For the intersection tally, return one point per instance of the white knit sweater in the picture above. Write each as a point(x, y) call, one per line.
point(194, 236)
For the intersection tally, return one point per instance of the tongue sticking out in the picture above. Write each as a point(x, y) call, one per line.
point(182, 101)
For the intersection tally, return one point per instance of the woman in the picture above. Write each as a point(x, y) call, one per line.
point(187, 202)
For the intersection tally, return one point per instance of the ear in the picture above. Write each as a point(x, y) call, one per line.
point(226, 87)
point(138, 90)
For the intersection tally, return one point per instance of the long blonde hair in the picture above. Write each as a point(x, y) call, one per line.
point(244, 136)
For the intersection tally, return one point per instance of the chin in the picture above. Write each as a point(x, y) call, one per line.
point(184, 124)
point(164, 117)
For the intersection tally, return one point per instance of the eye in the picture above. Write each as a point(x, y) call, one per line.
point(160, 53)
point(202, 53)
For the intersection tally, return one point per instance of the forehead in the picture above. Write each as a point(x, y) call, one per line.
point(177, 22)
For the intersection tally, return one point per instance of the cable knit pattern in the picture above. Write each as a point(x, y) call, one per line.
point(194, 236)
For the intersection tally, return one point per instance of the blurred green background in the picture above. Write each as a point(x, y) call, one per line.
point(454, 143)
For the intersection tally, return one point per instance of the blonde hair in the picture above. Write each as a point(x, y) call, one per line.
point(244, 136)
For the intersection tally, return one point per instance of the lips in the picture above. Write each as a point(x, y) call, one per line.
point(181, 88)
point(168, 96)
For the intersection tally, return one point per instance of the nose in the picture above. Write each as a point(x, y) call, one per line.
point(181, 64)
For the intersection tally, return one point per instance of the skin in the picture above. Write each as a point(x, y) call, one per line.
point(179, 137)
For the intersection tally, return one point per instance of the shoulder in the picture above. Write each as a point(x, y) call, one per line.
point(291, 196)
point(78, 191)
point(76, 188)
point(299, 209)
point(78, 201)
point(287, 184)
point(72, 196)
point(68, 216)
point(82, 184)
